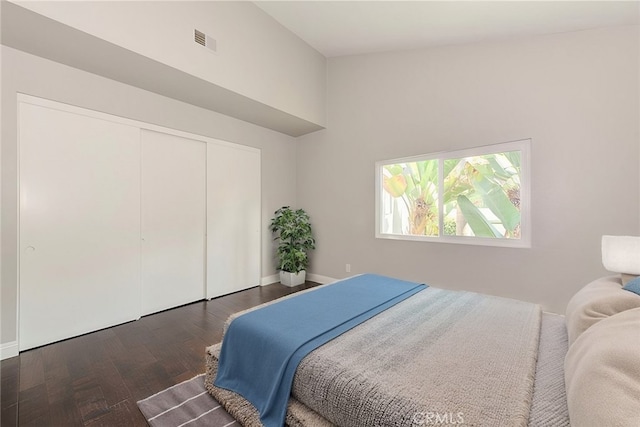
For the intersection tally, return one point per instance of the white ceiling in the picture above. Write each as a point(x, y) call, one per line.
point(337, 28)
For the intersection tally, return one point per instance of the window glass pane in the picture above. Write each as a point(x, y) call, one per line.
point(410, 198)
point(482, 196)
point(476, 196)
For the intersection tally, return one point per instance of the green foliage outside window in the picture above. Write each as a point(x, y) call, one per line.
point(480, 196)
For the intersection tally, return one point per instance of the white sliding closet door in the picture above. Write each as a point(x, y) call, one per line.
point(233, 218)
point(173, 220)
point(79, 224)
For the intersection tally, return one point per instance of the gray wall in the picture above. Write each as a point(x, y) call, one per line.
point(24, 73)
point(574, 94)
point(291, 75)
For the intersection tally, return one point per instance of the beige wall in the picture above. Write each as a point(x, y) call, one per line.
point(574, 94)
point(256, 56)
point(24, 73)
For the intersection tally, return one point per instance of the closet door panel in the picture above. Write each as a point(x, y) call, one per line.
point(233, 218)
point(79, 224)
point(173, 220)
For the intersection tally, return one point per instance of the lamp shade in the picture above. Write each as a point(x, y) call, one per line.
point(621, 254)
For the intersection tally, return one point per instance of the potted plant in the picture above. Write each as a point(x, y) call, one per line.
point(293, 229)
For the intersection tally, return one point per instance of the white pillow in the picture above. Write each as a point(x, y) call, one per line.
point(602, 373)
point(598, 300)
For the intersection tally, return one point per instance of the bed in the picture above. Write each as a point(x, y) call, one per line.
point(444, 357)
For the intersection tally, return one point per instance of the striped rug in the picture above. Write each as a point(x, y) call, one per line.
point(186, 404)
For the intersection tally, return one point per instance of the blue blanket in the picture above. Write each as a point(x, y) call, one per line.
point(262, 349)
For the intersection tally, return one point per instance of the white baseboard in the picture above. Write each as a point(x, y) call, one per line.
point(9, 349)
point(320, 279)
point(275, 278)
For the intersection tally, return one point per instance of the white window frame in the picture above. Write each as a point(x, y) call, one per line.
point(524, 146)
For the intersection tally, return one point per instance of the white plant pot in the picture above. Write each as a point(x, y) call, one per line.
point(292, 279)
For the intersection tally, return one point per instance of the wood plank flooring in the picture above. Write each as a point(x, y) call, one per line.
point(96, 379)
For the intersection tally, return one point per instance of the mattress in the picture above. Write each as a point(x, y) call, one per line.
point(327, 391)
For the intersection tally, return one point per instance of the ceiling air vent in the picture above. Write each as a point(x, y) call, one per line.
point(200, 37)
point(204, 40)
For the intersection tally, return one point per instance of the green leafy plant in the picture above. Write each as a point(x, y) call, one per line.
point(473, 187)
point(293, 229)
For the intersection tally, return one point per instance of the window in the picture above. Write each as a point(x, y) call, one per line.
point(477, 196)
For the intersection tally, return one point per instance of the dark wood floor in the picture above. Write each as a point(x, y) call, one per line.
point(96, 379)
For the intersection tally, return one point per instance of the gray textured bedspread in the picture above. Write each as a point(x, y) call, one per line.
point(549, 408)
point(441, 356)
